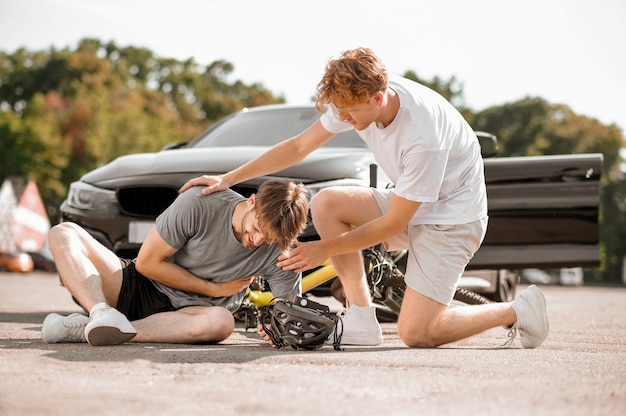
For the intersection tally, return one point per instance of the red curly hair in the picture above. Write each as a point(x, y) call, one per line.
point(351, 79)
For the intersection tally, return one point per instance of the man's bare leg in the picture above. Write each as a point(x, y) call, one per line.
point(336, 211)
point(339, 210)
point(190, 325)
point(91, 272)
point(424, 322)
point(93, 275)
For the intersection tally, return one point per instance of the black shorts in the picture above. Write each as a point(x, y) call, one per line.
point(138, 296)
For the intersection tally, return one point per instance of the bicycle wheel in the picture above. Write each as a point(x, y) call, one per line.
point(470, 297)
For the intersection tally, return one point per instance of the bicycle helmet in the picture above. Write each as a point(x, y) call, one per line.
point(302, 324)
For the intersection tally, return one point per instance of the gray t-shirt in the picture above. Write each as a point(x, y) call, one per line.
point(200, 227)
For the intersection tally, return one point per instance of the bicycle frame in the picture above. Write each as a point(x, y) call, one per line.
point(381, 272)
point(310, 281)
point(385, 278)
point(327, 272)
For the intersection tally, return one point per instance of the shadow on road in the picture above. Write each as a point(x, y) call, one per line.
point(241, 347)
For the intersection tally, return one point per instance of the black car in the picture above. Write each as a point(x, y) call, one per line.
point(543, 210)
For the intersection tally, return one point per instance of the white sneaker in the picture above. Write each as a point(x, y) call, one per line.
point(108, 326)
point(360, 326)
point(58, 328)
point(532, 318)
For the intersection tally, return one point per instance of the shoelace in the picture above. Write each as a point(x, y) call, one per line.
point(75, 329)
point(98, 312)
point(512, 334)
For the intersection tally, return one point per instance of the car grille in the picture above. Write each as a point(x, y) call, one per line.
point(145, 202)
point(150, 202)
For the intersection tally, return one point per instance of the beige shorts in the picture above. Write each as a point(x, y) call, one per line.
point(438, 254)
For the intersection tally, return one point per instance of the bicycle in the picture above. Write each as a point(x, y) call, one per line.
point(384, 275)
point(385, 280)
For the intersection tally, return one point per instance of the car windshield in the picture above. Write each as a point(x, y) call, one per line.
point(266, 128)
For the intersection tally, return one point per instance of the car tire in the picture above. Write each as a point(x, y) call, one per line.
point(506, 285)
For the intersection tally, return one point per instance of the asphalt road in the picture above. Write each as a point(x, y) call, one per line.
point(579, 370)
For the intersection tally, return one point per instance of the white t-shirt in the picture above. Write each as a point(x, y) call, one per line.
point(431, 154)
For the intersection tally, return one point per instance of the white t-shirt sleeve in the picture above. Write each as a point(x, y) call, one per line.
point(332, 124)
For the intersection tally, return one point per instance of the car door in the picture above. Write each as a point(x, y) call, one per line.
point(543, 212)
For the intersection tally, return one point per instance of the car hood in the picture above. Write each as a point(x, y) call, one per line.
point(321, 165)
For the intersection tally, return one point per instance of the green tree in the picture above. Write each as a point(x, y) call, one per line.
point(63, 112)
point(613, 231)
point(532, 126)
point(451, 90)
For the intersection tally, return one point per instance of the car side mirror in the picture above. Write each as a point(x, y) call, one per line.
point(488, 144)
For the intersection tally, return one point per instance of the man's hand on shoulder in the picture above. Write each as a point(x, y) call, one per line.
point(212, 184)
point(303, 256)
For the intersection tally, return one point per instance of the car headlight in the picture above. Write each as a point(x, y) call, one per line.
point(86, 197)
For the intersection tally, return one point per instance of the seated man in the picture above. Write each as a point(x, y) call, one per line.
point(191, 272)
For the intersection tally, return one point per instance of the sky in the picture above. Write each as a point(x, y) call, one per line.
point(569, 52)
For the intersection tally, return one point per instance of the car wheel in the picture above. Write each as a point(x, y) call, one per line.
point(506, 285)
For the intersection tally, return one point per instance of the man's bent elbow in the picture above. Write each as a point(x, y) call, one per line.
point(143, 267)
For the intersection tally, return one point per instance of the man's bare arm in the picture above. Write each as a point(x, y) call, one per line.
point(280, 156)
point(312, 254)
point(152, 263)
